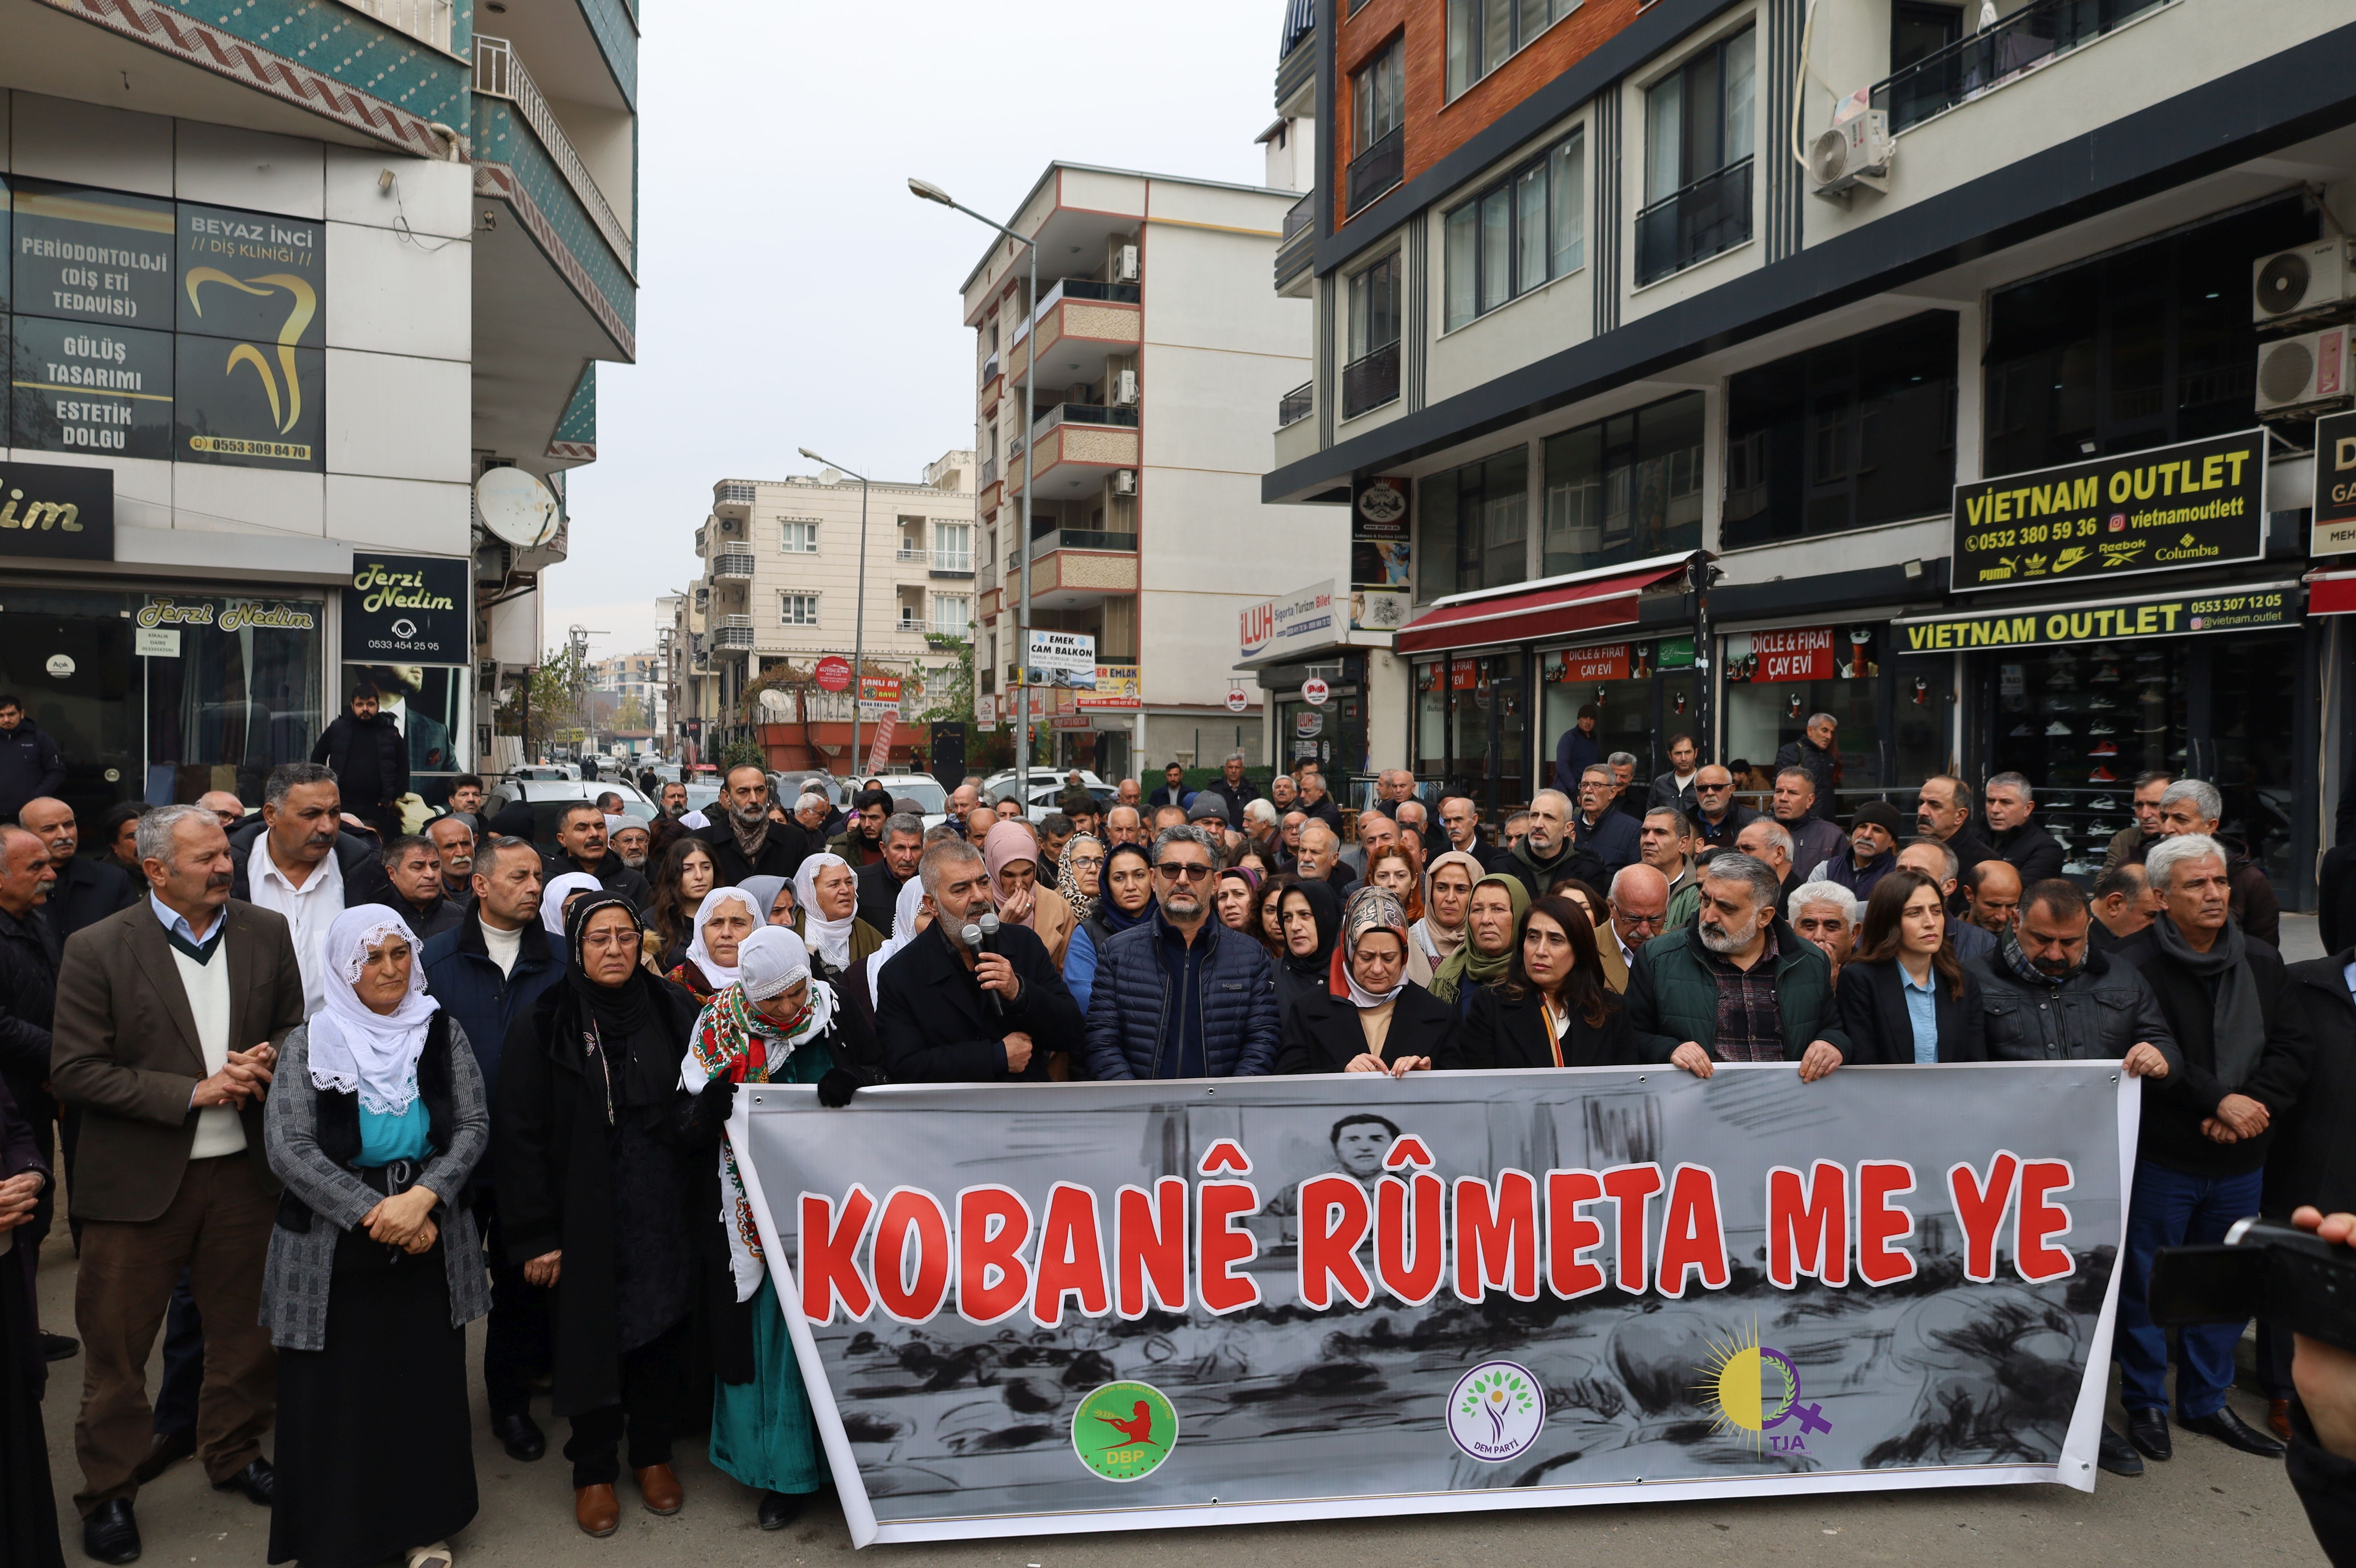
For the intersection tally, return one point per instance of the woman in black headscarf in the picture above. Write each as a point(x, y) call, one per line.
point(594, 1198)
point(1310, 917)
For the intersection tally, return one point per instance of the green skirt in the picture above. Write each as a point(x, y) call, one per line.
point(762, 1432)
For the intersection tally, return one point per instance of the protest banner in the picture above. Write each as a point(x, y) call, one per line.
point(1127, 1305)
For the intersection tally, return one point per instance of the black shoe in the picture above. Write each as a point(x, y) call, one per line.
point(110, 1534)
point(2116, 1456)
point(2148, 1430)
point(2233, 1431)
point(59, 1348)
point(166, 1450)
point(520, 1435)
point(258, 1481)
point(778, 1511)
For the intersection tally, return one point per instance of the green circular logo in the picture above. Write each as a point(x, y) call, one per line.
point(1123, 1431)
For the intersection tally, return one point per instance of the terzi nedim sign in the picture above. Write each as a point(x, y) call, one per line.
point(2198, 504)
point(1272, 1298)
point(407, 609)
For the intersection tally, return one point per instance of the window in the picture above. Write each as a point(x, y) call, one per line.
point(1476, 526)
point(953, 547)
point(1698, 140)
point(798, 538)
point(952, 614)
point(1377, 97)
point(1529, 228)
point(1371, 378)
point(1625, 488)
point(1482, 33)
point(798, 609)
point(1856, 432)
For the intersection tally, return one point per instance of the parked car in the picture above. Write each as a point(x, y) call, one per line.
point(1046, 787)
point(549, 797)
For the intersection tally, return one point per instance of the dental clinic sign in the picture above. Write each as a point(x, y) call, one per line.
point(407, 609)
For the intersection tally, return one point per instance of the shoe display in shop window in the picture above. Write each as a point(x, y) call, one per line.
point(2102, 776)
point(2102, 803)
point(2099, 727)
point(2105, 829)
point(2105, 750)
point(2100, 704)
point(2020, 729)
point(2058, 727)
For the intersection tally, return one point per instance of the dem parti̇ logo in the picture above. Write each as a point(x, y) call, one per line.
point(1496, 1411)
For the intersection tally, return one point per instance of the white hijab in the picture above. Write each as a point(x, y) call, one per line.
point(903, 931)
point(774, 959)
point(829, 939)
point(551, 902)
point(353, 1048)
point(700, 956)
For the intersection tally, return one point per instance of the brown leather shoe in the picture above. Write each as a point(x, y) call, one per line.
point(659, 1487)
point(595, 1510)
point(2278, 1418)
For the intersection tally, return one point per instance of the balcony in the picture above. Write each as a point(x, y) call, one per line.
point(1076, 569)
point(1084, 319)
point(990, 370)
point(427, 21)
point(1378, 169)
point(734, 563)
point(1371, 380)
point(1710, 216)
point(1081, 538)
point(500, 74)
point(986, 474)
point(735, 493)
point(2018, 43)
point(1296, 405)
point(1298, 247)
point(734, 633)
point(1296, 66)
point(1077, 445)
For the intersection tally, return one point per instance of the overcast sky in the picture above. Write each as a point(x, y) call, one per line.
point(791, 292)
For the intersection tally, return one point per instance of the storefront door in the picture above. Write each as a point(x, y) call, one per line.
point(67, 656)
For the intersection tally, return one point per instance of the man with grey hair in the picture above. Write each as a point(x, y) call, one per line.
point(1600, 828)
point(2124, 906)
point(2007, 800)
point(1626, 798)
point(812, 811)
point(1124, 825)
point(2243, 1054)
point(1545, 854)
point(1319, 860)
point(881, 880)
point(1179, 995)
point(1825, 913)
point(2195, 805)
point(958, 1005)
point(1767, 841)
point(1416, 832)
point(1815, 755)
point(1233, 787)
point(1375, 832)
point(292, 861)
point(1260, 830)
point(1638, 906)
point(87, 888)
point(1739, 985)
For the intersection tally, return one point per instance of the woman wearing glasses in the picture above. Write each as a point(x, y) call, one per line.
point(1380, 1021)
point(1552, 1010)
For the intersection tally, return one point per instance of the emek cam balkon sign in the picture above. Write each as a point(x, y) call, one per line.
point(2202, 503)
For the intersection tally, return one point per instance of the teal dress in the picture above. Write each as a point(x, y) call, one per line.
point(762, 1432)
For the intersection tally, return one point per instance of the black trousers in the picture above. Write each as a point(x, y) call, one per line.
point(652, 1376)
point(516, 1346)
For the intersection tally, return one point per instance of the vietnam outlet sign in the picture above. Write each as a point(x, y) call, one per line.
point(2198, 503)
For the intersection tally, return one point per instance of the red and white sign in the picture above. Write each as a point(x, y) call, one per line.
point(1238, 701)
point(832, 673)
point(880, 752)
point(1605, 661)
point(1796, 653)
point(1314, 691)
point(879, 690)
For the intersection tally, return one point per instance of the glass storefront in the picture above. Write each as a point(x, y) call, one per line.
point(430, 703)
point(1472, 725)
point(1775, 679)
point(1643, 691)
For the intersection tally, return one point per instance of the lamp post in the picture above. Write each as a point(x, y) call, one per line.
point(859, 614)
point(1022, 529)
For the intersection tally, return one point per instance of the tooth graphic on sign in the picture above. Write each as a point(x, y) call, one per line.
point(290, 332)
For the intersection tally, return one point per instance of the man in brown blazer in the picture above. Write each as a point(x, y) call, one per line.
point(168, 1017)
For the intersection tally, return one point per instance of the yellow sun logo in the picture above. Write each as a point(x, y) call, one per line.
point(1748, 1386)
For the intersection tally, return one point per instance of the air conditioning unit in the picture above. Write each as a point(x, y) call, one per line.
point(2292, 286)
point(1124, 481)
point(1124, 263)
point(2303, 371)
point(1855, 150)
point(1124, 389)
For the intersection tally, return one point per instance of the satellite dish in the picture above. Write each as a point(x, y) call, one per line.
point(516, 508)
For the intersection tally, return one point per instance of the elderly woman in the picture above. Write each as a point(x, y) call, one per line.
point(1079, 875)
point(1493, 921)
point(776, 895)
point(1447, 900)
point(726, 917)
point(1379, 1020)
point(777, 1024)
point(1011, 856)
point(375, 1122)
point(827, 889)
point(594, 1201)
point(556, 901)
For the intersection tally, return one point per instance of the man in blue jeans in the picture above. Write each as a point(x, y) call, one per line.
point(2200, 1160)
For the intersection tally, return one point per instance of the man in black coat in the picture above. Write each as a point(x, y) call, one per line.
point(406, 878)
point(371, 759)
point(28, 993)
point(581, 847)
point(2311, 1162)
point(88, 890)
point(2012, 836)
point(1943, 810)
point(1718, 818)
point(745, 840)
point(947, 1014)
point(1815, 754)
point(29, 764)
point(880, 879)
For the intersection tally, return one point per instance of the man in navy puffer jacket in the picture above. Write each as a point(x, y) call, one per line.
point(1181, 996)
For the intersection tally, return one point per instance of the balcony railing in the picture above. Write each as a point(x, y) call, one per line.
point(990, 370)
point(1296, 405)
point(907, 554)
point(737, 493)
point(937, 560)
point(1994, 55)
point(734, 631)
point(1371, 380)
point(1083, 413)
point(1711, 215)
point(500, 74)
point(1300, 214)
point(427, 21)
point(1080, 538)
point(1076, 289)
point(908, 623)
point(1379, 167)
point(989, 474)
point(733, 561)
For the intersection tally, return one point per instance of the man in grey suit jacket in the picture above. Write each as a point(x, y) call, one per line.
point(168, 1018)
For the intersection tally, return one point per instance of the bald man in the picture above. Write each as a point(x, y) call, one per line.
point(87, 888)
point(225, 805)
point(1639, 903)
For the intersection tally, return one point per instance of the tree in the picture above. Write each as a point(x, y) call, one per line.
point(951, 686)
point(559, 693)
point(631, 715)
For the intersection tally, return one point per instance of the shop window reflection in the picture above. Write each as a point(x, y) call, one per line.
point(1625, 488)
point(1774, 681)
point(242, 695)
point(2080, 723)
point(2258, 682)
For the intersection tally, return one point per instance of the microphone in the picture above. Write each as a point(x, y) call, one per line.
point(989, 928)
point(980, 938)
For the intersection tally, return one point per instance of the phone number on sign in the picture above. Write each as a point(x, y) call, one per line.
point(2239, 601)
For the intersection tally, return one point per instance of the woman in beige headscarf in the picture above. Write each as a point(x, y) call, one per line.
point(1447, 903)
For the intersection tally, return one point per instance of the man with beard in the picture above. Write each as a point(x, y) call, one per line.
point(861, 842)
point(466, 803)
point(1228, 1028)
point(673, 799)
point(1739, 985)
point(454, 844)
point(743, 842)
point(87, 888)
point(951, 1011)
point(627, 837)
point(369, 758)
point(880, 881)
point(294, 862)
point(581, 846)
point(1546, 854)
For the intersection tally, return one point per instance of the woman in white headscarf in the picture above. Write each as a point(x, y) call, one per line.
point(375, 1122)
point(827, 890)
point(725, 918)
point(556, 899)
point(861, 990)
point(778, 1023)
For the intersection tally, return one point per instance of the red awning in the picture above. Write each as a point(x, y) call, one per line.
point(1540, 612)
point(2331, 594)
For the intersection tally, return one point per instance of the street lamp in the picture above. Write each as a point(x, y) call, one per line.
point(859, 614)
point(927, 192)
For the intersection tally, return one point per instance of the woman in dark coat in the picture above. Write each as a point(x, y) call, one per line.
point(1311, 917)
point(1384, 1022)
point(1905, 999)
point(596, 1198)
point(28, 1507)
point(1552, 1010)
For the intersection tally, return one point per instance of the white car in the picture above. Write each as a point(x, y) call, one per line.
point(1047, 787)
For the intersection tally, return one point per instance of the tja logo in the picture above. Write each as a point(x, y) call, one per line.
point(1755, 1391)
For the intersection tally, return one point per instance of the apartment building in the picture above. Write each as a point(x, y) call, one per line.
point(780, 594)
point(285, 280)
point(1736, 360)
point(1155, 339)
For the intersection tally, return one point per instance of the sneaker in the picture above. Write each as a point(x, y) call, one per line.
point(2158, 729)
point(2102, 803)
point(2099, 727)
point(2101, 703)
point(2080, 868)
point(2107, 676)
point(2102, 776)
point(2151, 655)
point(2057, 728)
point(2105, 750)
point(2020, 729)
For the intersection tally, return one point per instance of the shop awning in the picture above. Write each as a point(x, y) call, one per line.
point(2331, 594)
point(1543, 611)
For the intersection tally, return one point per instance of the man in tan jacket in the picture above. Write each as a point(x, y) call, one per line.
point(168, 1017)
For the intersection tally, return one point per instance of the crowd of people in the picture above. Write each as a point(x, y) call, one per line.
point(324, 1092)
